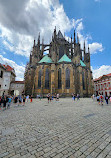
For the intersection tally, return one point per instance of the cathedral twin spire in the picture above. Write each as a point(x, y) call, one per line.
point(75, 38)
point(85, 48)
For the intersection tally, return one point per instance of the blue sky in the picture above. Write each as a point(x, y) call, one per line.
point(21, 21)
point(97, 23)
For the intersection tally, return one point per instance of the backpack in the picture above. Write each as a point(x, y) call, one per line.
point(101, 97)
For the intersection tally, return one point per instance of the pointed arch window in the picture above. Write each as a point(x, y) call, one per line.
point(59, 78)
point(67, 78)
point(47, 78)
point(39, 78)
point(83, 82)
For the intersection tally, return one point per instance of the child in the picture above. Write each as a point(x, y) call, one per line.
point(31, 99)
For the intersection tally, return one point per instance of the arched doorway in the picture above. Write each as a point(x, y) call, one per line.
point(16, 92)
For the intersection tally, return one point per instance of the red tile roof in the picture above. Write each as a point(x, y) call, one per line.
point(8, 68)
point(109, 75)
point(97, 79)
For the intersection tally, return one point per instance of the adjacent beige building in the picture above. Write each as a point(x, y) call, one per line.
point(17, 87)
point(2, 71)
point(6, 77)
point(8, 85)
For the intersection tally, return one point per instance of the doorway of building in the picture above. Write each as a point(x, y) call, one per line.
point(16, 92)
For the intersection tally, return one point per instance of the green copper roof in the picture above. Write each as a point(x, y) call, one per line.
point(82, 63)
point(46, 59)
point(64, 58)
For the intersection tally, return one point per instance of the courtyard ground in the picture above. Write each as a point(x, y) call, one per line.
point(80, 129)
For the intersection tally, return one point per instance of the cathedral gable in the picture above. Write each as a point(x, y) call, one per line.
point(46, 59)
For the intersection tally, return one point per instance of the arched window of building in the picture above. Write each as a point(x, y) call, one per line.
point(67, 78)
point(47, 78)
point(59, 78)
point(39, 78)
point(1, 75)
point(83, 82)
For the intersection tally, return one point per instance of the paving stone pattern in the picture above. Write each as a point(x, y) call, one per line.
point(64, 129)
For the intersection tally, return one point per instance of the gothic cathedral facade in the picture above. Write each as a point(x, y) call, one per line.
point(65, 69)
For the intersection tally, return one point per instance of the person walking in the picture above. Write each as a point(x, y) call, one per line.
point(9, 102)
point(110, 98)
point(27, 98)
point(57, 96)
point(98, 100)
point(16, 100)
point(24, 100)
point(106, 98)
point(78, 97)
point(101, 99)
point(4, 103)
point(20, 100)
point(31, 99)
point(48, 97)
point(40, 96)
point(52, 97)
point(74, 97)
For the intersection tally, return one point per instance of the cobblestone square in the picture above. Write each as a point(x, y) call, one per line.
point(80, 129)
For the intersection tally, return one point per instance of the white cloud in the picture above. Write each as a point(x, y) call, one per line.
point(76, 22)
point(3, 52)
point(19, 26)
point(102, 70)
point(19, 69)
point(79, 26)
point(96, 47)
point(15, 42)
point(8, 46)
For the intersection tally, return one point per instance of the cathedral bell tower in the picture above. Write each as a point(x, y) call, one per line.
point(87, 58)
point(77, 50)
point(33, 55)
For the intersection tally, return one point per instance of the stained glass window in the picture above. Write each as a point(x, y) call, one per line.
point(59, 79)
point(83, 82)
point(47, 78)
point(67, 78)
point(39, 79)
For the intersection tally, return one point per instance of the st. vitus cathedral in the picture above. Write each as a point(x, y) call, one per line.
point(65, 69)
